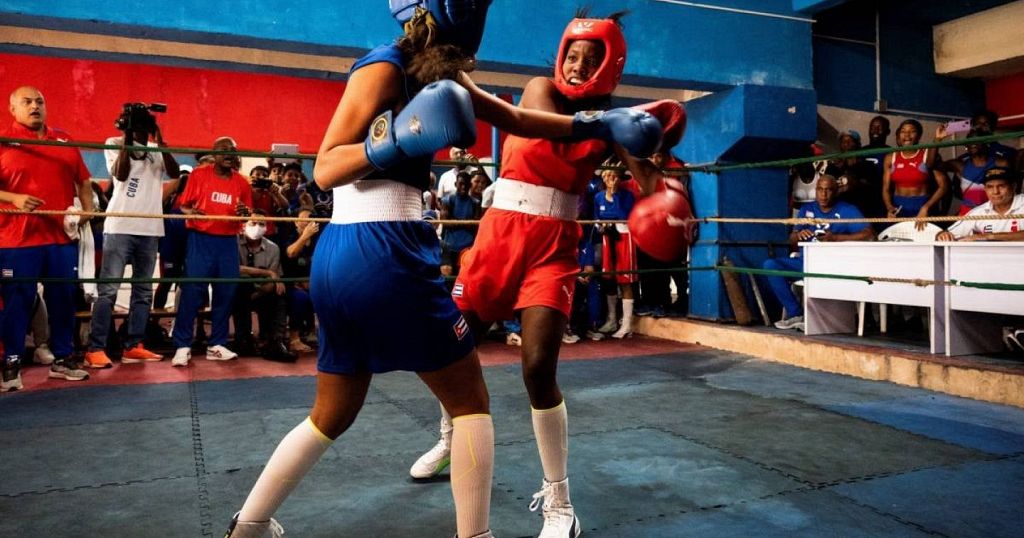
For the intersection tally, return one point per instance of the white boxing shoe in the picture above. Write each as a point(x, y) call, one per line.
point(560, 519)
point(436, 459)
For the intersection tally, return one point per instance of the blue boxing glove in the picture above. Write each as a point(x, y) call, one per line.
point(637, 131)
point(440, 115)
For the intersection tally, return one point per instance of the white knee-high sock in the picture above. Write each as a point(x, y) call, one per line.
point(297, 453)
point(551, 427)
point(613, 303)
point(472, 471)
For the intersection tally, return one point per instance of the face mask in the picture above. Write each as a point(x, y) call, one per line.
point(254, 231)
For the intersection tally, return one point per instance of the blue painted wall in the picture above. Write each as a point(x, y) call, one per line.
point(672, 45)
point(844, 72)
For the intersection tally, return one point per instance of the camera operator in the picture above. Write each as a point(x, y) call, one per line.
point(267, 197)
point(138, 178)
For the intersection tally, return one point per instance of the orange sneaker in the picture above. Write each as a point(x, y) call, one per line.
point(97, 359)
point(140, 354)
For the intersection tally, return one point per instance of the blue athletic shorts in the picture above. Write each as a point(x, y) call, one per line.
point(381, 301)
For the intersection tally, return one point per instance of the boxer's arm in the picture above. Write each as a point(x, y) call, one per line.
point(342, 155)
point(644, 171)
point(535, 118)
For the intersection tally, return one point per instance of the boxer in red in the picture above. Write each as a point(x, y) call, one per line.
point(524, 259)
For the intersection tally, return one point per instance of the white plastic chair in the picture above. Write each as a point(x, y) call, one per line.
point(901, 231)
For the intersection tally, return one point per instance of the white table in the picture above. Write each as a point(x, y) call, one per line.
point(962, 320)
point(971, 326)
point(827, 301)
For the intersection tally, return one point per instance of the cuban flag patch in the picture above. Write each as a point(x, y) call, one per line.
point(461, 328)
point(7, 273)
point(457, 290)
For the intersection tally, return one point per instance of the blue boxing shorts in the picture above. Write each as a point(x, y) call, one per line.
point(381, 301)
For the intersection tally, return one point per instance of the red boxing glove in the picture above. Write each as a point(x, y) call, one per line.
point(659, 223)
point(672, 116)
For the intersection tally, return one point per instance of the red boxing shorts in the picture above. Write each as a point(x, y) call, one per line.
point(619, 255)
point(518, 261)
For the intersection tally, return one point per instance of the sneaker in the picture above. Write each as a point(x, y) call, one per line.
point(595, 335)
point(276, 351)
point(570, 338)
point(790, 323)
point(311, 339)
point(609, 326)
point(182, 356)
point(657, 312)
point(296, 345)
point(43, 355)
point(220, 353)
point(624, 332)
point(559, 517)
point(140, 354)
point(513, 339)
point(68, 369)
point(436, 459)
point(642, 310)
point(97, 359)
point(1014, 339)
point(11, 379)
point(254, 529)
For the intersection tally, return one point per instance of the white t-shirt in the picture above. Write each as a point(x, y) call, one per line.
point(446, 184)
point(963, 228)
point(142, 192)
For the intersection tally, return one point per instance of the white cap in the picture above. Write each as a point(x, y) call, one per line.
point(183, 168)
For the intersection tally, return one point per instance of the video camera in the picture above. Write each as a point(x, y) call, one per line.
point(136, 118)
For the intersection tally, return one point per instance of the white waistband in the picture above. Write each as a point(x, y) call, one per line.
point(376, 201)
point(512, 195)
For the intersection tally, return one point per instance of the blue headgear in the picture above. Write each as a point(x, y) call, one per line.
point(461, 21)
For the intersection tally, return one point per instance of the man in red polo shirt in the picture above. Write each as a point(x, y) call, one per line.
point(212, 250)
point(31, 246)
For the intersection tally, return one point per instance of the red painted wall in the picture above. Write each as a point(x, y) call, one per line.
point(84, 97)
point(1006, 97)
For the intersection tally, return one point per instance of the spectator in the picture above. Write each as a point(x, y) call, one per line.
point(590, 244)
point(1000, 185)
point(618, 253)
point(478, 183)
point(291, 180)
point(300, 244)
point(261, 258)
point(266, 196)
point(859, 181)
point(137, 179)
point(878, 136)
point(212, 250)
point(430, 195)
point(446, 183)
point(33, 176)
point(172, 252)
point(905, 180)
point(455, 239)
point(655, 287)
point(985, 123)
point(827, 206)
point(40, 330)
point(970, 169)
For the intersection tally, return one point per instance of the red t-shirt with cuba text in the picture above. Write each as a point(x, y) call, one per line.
point(215, 195)
point(50, 173)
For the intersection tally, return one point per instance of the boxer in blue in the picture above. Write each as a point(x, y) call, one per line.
point(376, 266)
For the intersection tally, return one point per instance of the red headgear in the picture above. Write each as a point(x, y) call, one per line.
point(607, 77)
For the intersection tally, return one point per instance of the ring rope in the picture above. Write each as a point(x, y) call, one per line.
point(919, 282)
point(705, 168)
point(454, 222)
